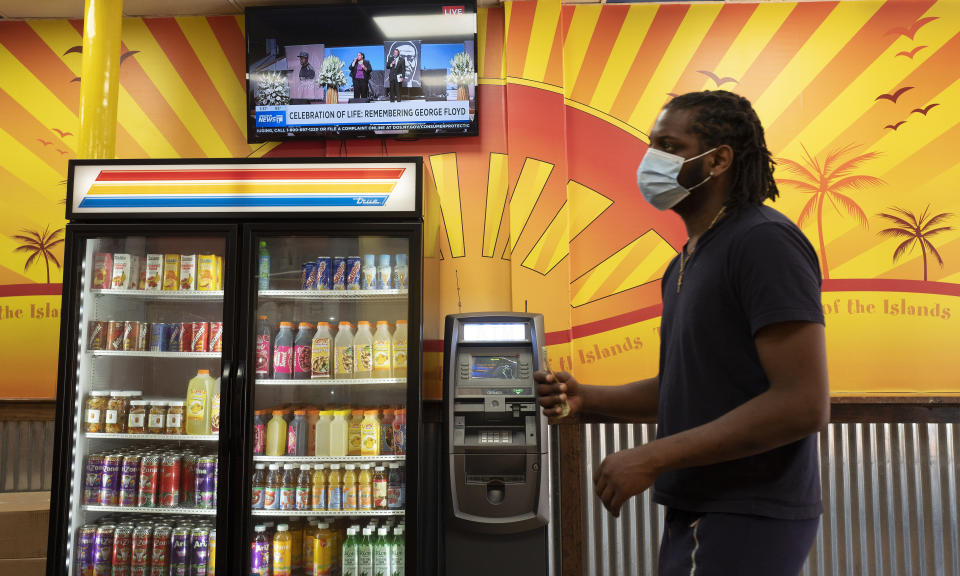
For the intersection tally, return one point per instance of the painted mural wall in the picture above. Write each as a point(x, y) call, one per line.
point(541, 212)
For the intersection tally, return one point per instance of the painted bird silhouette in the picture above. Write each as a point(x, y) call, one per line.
point(717, 79)
point(895, 96)
point(44, 142)
point(62, 152)
point(925, 110)
point(895, 126)
point(911, 53)
point(62, 133)
point(74, 49)
point(127, 54)
point(912, 29)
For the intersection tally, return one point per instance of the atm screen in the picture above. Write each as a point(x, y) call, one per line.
point(498, 367)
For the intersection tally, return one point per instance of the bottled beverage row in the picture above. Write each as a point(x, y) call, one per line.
point(312, 431)
point(127, 412)
point(140, 546)
point(327, 547)
point(324, 353)
point(132, 336)
point(335, 488)
point(157, 272)
point(373, 272)
point(151, 477)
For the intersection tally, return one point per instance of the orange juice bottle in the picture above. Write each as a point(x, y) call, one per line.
point(323, 548)
point(282, 552)
point(349, 487)
point(318, 496)
point(365, 488)
point(370, 433)
point(334, 489)
point(353, 433)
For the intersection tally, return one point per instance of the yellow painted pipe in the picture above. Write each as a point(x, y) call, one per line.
point(100, 78)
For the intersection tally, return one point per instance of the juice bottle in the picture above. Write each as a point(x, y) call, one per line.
point(400, 432)
point(398, 547)
point(339, 433)
point(264, 341)
point(297, 434)
point(282, 552)
point(386, 435)
point(259, 432)
point(271, 488)
point(296, 544)
point(379, 482)
point(334, 489)
point(384, 273)
point(283, 352)
point(370, 433)
point(288, 488)
point(353, 433)
point(263, 267)
point(381, 552)
point(365, 553)
point(350, 487)
point(215, 408)
point(323, 546)
point(400, 273)
point(312, 416)
point(348, 554)
point(395, 487)
point(368, 275)
point(320, 348)
point(309, 537)
point(199, 393)
point(318, 490)
point(259, 486)
point(365, 488)
point(398, 346)
point(321, 440)
point(302, 348)
point(277, 434)
point(343, 352)
point(304, 488)
point(260, 555)
point(363, 351)
point(381, 350)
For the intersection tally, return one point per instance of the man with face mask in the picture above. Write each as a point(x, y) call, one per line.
point(742, 388)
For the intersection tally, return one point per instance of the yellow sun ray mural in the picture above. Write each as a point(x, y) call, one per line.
point(641, 261)
point(530, 184)
point(635, 26)
point(576, 42)
point(542, 34)
point(497, 184)
point(447, 182)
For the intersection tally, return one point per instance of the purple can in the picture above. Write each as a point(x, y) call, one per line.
point(308, 276)
point(180, 551)
point(110, 480)
point(129, 476)
point(199, 551)
point(206, 476)
point(159, 337)
point(103, 550)
point(353, 273)
point(174, 333)
point(339, 273)
point(93, 478)
point(216, 476)
point(86, 537)
point(323, 274)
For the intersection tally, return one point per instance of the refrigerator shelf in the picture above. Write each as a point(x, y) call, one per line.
point(333, 459)
point(150, 354)
point(333, 295)
point(326, 513)
point(178, 437)
point(163, 294)
point(135, 510)
point(330, 382)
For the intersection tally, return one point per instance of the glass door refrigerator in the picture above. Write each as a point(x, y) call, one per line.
point(239, 379)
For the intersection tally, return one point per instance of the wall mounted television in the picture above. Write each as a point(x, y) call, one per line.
point(361, 70)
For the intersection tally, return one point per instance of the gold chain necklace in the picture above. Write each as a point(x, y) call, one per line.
point(684, 261)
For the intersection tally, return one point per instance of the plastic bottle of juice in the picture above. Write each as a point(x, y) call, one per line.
point(321, 440)
point(199, 394)
point(302, 347)
point(379, 482)
point(350, 487)
point(260, 560)
point(370, 433)
point(283, 352)
point(264, 342)
point(386, 435)
point(365, 488)
point(288, 488)
point(400, 431)
point(339, 433)
point(318, 490)
point(304, 488)
point(353, 433)
point(400, 273)
point(365, 553)
point(363, 351)
point(398, 346)
point(259, 486)
point(313, 415)
point(320, 349)
point(395, 487)
point(334, 489)
point(277, 434)
point(215, 408)
point(296, 544)
point(368, 275)
point(282, 552)
point(381, 552)
point(384, 273)
point(323, 546)
point(309, 537)
point(381, 350)
point(348, 554)
point(343, 352)
point(398, 548)
point(263, 270)
point(271, 488)
point(297, 434)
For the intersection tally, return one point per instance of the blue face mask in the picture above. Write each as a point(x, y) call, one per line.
point(657, 178)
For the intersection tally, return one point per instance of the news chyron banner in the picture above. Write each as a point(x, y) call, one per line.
point(362, 116)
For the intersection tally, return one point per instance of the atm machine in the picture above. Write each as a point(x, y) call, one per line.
point(496, 457)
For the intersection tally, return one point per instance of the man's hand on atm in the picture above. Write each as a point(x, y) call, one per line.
point(624, 474)
point(554, 388)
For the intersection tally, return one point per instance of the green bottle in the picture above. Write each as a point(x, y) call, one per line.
point(365, 554)
point(263, 272)
point(397, 552)
point(349, 563)
point(381, 553)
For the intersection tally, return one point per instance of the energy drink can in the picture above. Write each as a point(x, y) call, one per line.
point(110, 480)
point(199, 551)
point(353, 273)
point(323, 274)
point(85, 541)
point(140, 554)
point(122, 549)
point(180, 551)
point(206, 476)
point(103, 550)
point(115, 336)
point(129, 475)
point(308, 275)
point(96, 335)
point(131, 334)
point(186, 337)
point(174, 336)
point(200, 338)
point(143, 337)
point(149, 476)
point(216, 337)
point(93, 479)
point(160, 552)
point(159, 337)
point(339, 273)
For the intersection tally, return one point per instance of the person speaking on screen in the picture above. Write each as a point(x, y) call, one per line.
point(360, 73)
point(397, 66)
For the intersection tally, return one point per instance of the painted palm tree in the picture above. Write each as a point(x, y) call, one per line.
point(913, 231)
point(39, 245)
point(828, 181)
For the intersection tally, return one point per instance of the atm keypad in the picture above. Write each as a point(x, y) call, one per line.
point(501, 437)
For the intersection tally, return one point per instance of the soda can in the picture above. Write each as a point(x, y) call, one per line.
point(174, 336)
point(85, 540)
point(216, 337)
point(206, 476)
point(159, 337)
point(199, 551)
point(353, 273)
point(115, 335)
point(131, 334)
point(143, 337)
point(170, 472)
point(93, 479)
point(323, 274)
point(140, 555)
point(212, 554)
point(96, 335)
point(339, 273)
point(122, 549)
point(110, 480)
point(308, 276)
point(186, 337)
point(188, 479)
point(180, 551)
point(129, 475)
point(149, 475)
point(160, 551)
point(201, 337)
point(103, 550)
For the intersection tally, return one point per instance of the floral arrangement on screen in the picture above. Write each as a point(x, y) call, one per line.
point(461, 71)
point(331, 72)
point(273, 89)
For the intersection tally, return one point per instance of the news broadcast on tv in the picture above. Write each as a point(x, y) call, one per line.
point(353, 71)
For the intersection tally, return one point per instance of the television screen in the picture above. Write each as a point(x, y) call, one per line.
point(361, 70)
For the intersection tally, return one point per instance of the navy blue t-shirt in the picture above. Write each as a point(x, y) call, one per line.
point(754, 268)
